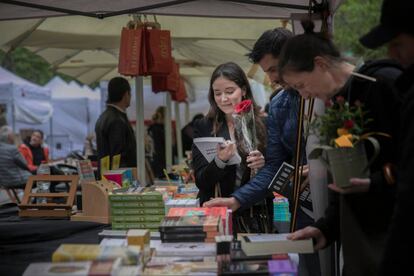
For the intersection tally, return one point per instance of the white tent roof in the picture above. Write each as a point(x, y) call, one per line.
point(87, 48)
point(106, 8)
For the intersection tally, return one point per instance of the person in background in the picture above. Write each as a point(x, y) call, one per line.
point(157, 134)
point(34, 151)
point(3, 120)
point(396, 28)
point(359, 215)
point(228, 87)
point(281, 141)
point(114, 134)
point(187, 133)
point(14, 171)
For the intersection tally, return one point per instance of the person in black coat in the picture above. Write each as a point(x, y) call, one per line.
point(228, 87)
point(396, 28)
point(187, 133)
point(358, 216)
point(157, 134)
point(114, 134)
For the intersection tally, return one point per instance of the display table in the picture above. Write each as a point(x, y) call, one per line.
point(27, 240)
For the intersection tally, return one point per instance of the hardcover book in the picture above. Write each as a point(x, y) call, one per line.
point(267, 244)
point(186, 249)
point(222, 212)
point(191, 223)
point(49, 269)
point(90, 252)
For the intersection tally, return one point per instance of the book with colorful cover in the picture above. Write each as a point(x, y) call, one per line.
point(53, 269)
point(90, 252)
point(191, 223)
point(85, 170)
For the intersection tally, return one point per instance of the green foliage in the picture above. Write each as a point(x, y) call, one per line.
point(29, 66)
point(339, 119)
point(353, 19)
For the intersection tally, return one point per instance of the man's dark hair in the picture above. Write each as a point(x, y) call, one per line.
point(270, 42)
point(117, 87)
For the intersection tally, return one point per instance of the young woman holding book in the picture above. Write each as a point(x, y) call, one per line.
point(228, 87)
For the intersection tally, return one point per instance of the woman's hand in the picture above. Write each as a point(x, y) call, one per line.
point(226, 150)
point(309, 232)
point(358, 185)
point(255, 160)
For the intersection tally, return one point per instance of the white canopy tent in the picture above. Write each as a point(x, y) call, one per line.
point(75, 112)
point(27, 104)
point(186, 48)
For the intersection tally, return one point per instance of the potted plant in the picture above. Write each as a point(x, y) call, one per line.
point(341, 134)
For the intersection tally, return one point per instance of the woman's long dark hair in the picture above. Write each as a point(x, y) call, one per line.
point(231, 71)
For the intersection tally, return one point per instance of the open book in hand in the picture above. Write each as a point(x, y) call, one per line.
point(208, 147)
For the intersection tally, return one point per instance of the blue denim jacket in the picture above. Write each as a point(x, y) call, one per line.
point(281, 141)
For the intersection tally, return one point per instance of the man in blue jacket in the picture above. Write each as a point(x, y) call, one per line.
point(281, 136)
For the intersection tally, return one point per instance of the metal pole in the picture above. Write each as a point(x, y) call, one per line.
point(140, 129)
point(168, 132)
point(187, 113)
point(178, 132)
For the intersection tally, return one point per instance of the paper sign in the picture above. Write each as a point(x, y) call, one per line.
point(104, 165)
point(116, 160)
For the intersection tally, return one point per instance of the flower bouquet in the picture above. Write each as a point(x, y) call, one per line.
point(341, 132)
point(245, 127)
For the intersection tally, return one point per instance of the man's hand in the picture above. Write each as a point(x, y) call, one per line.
point(309, 232)
point(358, 185)
point(229, 202)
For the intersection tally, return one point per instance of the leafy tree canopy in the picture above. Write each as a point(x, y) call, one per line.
point(353, 19)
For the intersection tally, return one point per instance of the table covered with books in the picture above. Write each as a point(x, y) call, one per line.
point(27, 240)
point(159, 230)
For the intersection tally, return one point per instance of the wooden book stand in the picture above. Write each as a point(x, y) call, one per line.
point(95, 205)
point(29, 207)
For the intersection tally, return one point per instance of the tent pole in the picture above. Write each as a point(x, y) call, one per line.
point(178, 132)
point(140, 129)
point(51, 146)
point(168, 132)
point(187, 113)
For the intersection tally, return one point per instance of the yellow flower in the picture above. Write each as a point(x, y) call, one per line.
point(344, 141)
point(342, 131)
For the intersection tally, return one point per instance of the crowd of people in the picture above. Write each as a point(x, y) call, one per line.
point(368, 219)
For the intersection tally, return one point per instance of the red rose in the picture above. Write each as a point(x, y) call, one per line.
point(328, 103)
point(340, 100)
point(348, 124)
point(243, 106)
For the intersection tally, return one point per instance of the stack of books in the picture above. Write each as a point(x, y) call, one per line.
point(190, 229)
point(222, 212)
point(183, 259)
point(136, 210)
point(281, 218)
